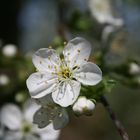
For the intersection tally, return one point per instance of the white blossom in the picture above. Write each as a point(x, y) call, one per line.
point(20, 126)
point(134, 68)
point(83, 106)
point(102, 11)
point(62, 78)
point(9, 50)
point(4, 79)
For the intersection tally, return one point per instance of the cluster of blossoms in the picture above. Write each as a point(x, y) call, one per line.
point(16, 124)
point(57, 82)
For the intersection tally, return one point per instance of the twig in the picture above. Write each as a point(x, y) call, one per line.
point(115, 120)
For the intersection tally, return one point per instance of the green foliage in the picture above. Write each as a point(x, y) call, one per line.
point(94, 92)
point(80, 22)
point(17, 69)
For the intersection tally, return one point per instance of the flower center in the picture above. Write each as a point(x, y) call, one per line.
point(26, 128)
point(65, 73)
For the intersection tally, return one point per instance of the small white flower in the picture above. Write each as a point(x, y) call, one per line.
point(63, 77)
point(20, 125)
point(102, 11)
point(9, 50)
point(134, 68)
point(83, 106)
point(4, 79)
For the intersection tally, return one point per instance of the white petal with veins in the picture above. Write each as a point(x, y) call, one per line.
point(89, 74)
point(77, 52)
point(67, 93)
point(41, 84)
point(46, 59)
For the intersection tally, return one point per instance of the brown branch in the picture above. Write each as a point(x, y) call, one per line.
point(115, 120)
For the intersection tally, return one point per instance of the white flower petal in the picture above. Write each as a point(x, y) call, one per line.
point(79, 105)
point(77, 51)
point(67, 93)
point(61, 120)
point(41, 84)
point(11, 135)
point(11, 116)
point(81, 102)
point(46, 59)
point(90, 105)
point(30, 137)
point(89, 74)
point(77, 109)
point(42, 117)
point(48, 133)
point(30, 108)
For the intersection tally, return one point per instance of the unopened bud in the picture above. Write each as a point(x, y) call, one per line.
point(4, 80)
point(83, 106)
point(9, 50)
point(134, 68)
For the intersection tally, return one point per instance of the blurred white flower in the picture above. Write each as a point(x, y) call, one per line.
point(9, 50)
point(83, 106)
point(63, 77)
point(4, 79)
point(102, 11)
point(134, 68)
point(20, 125)
point(50, 113)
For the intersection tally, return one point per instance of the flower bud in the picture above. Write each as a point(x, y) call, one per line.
point(4, 80)
point(9, 50)
point(134, 68)
point(83, 106)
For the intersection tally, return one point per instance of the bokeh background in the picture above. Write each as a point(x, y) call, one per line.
point(32, 24)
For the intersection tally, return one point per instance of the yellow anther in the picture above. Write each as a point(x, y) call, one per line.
point(78, 50)
point(49, 57)
point(65, 42)
point(68, 53)
point(50, 47)
point(49, 66)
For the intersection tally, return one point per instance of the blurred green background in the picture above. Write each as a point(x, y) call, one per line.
point(33, 24)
